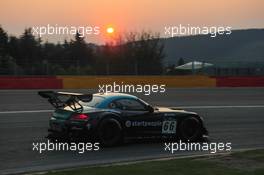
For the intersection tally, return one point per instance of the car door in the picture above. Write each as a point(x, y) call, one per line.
point(138, 121)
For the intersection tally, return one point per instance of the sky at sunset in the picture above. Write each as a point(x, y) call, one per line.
point(136, 15)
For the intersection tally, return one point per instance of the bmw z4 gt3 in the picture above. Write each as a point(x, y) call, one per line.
point(111, 117)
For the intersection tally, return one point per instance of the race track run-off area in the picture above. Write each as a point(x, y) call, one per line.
point(231, 115)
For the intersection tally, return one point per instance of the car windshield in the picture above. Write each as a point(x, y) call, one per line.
point(94, 102)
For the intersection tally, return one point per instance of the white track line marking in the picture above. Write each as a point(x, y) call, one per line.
point(178, 107)
point(17, 112)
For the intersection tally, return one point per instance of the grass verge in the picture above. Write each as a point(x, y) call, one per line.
point(238, 163)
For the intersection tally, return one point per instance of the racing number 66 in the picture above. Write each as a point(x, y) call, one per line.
point(169, 127)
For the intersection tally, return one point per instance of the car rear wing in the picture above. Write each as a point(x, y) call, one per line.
point(64, 99)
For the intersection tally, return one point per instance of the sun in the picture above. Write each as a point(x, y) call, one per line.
point(110, 30)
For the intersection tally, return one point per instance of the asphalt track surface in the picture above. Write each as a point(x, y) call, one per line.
point(233, 115)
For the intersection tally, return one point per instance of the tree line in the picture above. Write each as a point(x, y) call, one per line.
point(131, 53)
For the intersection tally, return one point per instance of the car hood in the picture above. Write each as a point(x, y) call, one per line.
point(173, 110)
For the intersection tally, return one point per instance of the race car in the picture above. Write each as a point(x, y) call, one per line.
point(112, 117)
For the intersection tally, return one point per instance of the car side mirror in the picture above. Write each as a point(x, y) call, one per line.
point(150, 109)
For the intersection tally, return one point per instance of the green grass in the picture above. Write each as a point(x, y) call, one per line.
point(257, 155)
point(211, 165)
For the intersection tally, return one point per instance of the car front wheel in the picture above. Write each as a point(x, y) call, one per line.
point(190, 129)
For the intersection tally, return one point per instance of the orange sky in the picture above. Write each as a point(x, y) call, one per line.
point(132, 15)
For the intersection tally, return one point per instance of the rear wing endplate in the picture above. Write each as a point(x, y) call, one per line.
point(64, 99)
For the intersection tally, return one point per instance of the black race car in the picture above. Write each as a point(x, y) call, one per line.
point(111, 117)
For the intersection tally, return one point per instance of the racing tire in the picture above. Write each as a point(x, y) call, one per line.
point(110, 132)
point(190, 129)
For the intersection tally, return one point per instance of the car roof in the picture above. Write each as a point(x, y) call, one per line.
point(108, 97)
point(115, 95)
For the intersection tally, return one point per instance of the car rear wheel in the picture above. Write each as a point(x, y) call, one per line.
point(110, 132)
point(190, 129)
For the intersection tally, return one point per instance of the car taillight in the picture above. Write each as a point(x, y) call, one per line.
point(80, 117)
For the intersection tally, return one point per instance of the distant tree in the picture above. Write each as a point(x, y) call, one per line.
point(148, 53)
point(13, 47)
point(29, 52)
point(138, 53)
point(80, 52)
point(180, 62)
point(133, 53)
point(7, 65)
point(3, 42)
point(170, 69)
